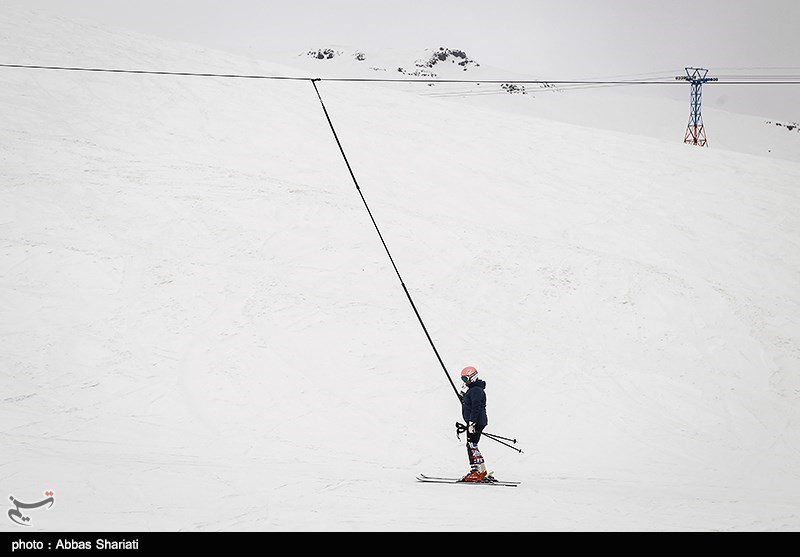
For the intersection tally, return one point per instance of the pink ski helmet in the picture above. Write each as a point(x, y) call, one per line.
point(469, 374)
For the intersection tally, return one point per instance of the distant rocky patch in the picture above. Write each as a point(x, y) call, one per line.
point(514, 88)
point(422, 67)
point(417, 72)
point(323, 53)
point(791, 126)
point(455, 56)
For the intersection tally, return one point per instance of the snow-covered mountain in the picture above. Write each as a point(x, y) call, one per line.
point(659, 111)
point(201, 329)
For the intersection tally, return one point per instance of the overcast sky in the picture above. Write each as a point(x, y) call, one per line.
point(553, 39)
point(595, 36)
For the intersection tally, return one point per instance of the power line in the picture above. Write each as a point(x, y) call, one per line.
point(530, 92)
point(339, 79)
point(756, 80)
point(762, 68)
point(734, 80)
point(759, 80)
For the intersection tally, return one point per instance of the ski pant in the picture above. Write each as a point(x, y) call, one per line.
point(473, 453)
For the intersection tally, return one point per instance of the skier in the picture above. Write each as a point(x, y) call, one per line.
point(473, 410)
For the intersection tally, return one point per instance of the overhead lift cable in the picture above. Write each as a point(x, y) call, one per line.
point(380, 235)
point(752, 80)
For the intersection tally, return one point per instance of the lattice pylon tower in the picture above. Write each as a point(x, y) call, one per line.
point(695, 131)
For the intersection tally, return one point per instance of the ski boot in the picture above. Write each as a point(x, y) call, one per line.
point(474, 477)
point(477, 473)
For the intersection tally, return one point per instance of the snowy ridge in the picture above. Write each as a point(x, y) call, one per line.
point(429, 63)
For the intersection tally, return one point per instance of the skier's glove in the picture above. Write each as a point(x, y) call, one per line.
point(471, 427)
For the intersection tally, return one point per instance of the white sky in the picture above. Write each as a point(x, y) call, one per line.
point(568, 36)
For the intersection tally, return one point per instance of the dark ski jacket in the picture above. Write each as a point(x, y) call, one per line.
point(473, 406)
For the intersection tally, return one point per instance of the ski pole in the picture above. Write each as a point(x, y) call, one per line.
point(501, 437)
point(493, 438)
point(460, 428)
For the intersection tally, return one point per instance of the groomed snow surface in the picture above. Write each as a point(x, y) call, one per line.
point(200, 328)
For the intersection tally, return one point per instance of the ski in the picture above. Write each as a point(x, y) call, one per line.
point(428, 479)
point(425, 477)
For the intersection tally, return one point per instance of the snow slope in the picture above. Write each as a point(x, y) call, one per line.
point(201, 329)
